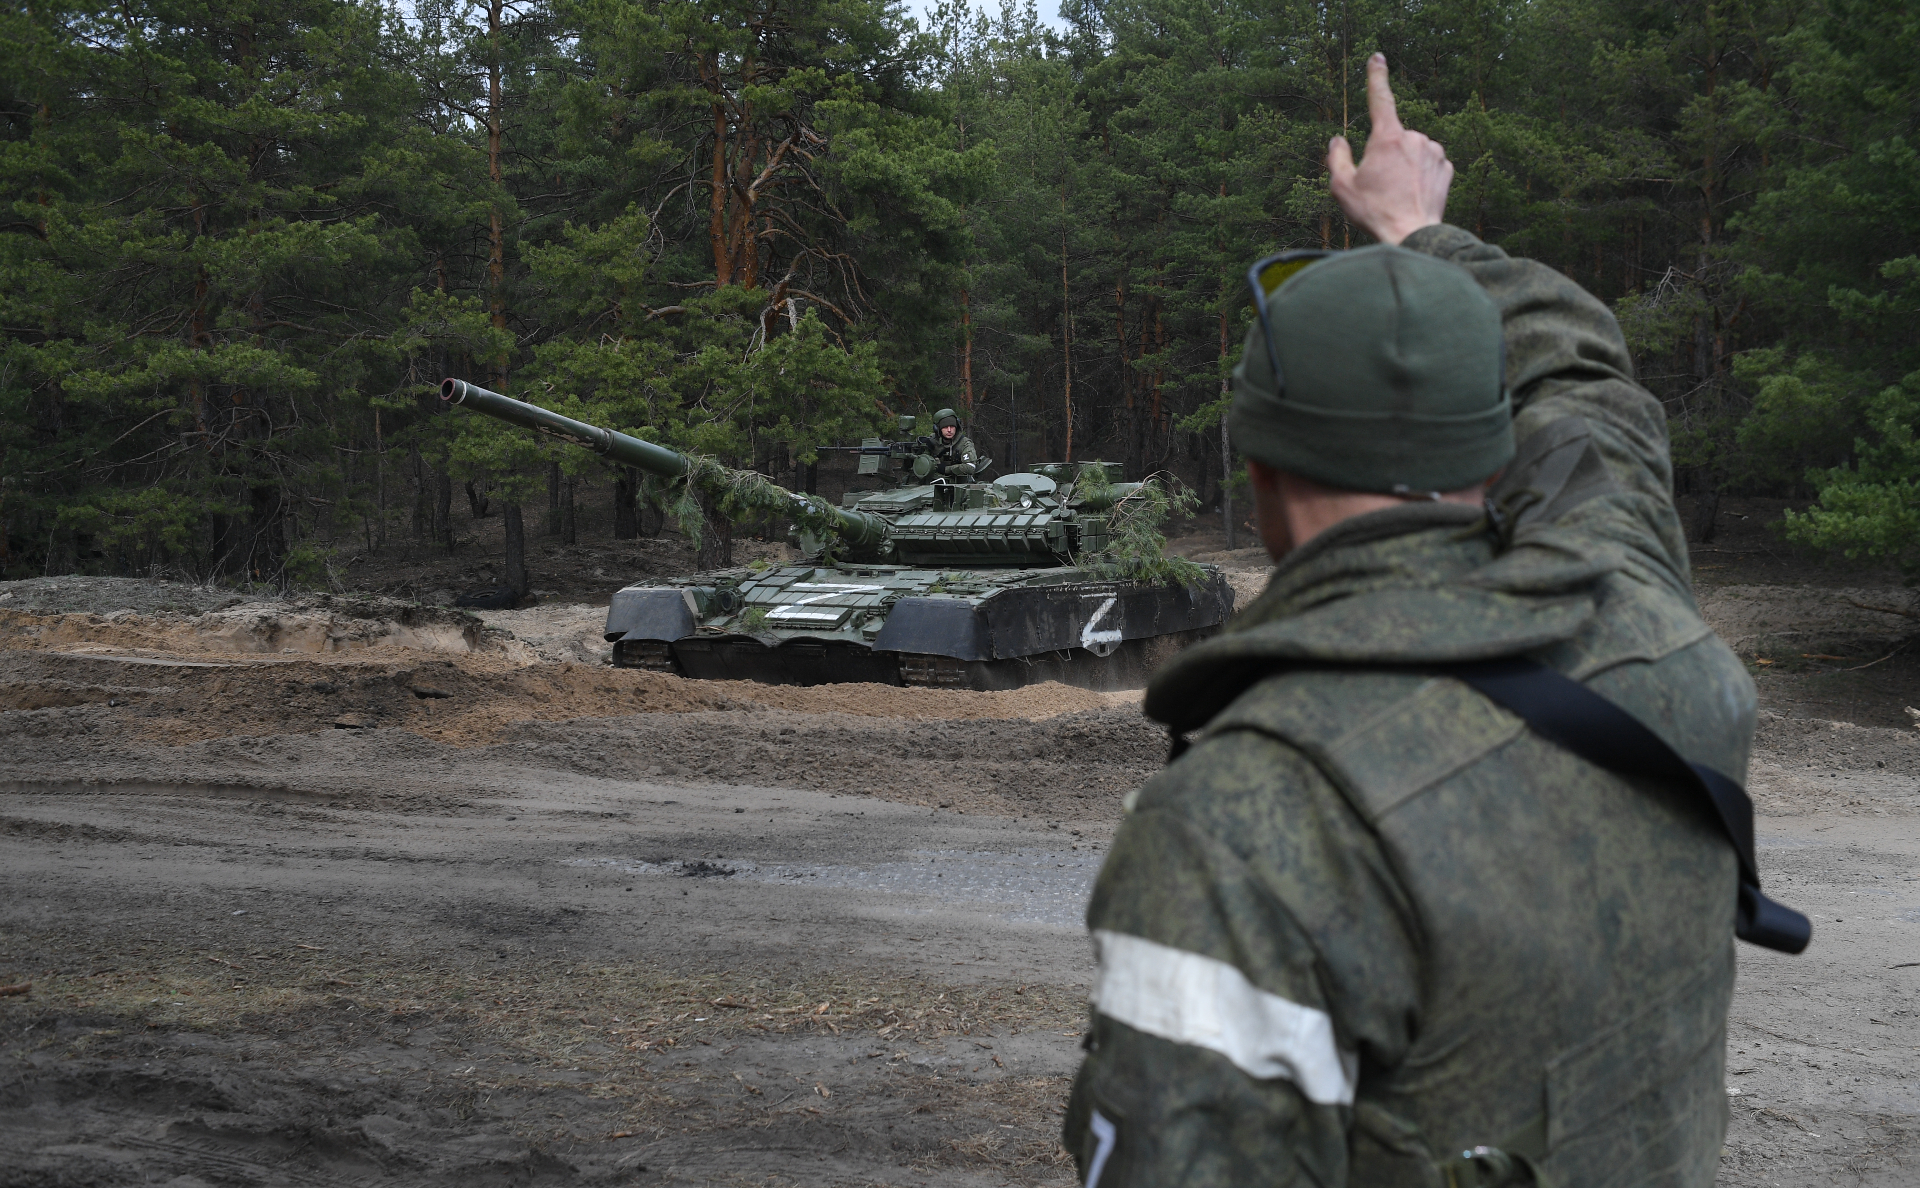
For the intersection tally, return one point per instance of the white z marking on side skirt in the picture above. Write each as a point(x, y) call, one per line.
point(1090, 637)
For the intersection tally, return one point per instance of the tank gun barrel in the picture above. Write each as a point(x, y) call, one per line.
point(628, 451)
point(864, 533)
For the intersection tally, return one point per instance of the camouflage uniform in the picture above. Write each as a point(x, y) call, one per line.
point(1369, 921)
point(957, 458)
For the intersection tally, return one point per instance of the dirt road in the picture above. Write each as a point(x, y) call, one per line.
point(502, 966)
point(287, 919)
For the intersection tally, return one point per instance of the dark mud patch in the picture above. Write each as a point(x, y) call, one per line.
point(115, 1123)
point(347, 1094)
point(502, 920)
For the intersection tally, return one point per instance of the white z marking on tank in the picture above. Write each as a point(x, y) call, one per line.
point(1090, 637)
point(813, 598)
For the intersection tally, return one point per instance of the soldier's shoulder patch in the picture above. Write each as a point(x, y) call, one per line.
point(1382, 738)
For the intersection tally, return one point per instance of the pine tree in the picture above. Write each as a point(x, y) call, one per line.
point(205, 270)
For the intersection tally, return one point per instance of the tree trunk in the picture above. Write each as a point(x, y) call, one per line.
point(422, 492)
point(62, 553)
point(1132, 444)
point(552, 525)
point(716, 536)
point(567, 533)
point(626, 489)
point(1066, 324)
point(1226, 488)
point(718, 200)
point(966, 354)
point(1204, 457)
point(268, 547)
point(1013, 430)
point(496, 229)
point(1226, 445)
point(516, 577)
point(219, 545)
point(477, 499)
point(443, 509)
point(1706, 505)
point(380, 476)
point(1159, 371)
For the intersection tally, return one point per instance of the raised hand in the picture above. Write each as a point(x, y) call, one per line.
point(1401, 186)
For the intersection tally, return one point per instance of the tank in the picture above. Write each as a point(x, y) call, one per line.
point(968, 585)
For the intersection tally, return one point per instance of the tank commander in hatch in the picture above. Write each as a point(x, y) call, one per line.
point(953, 452)
point(1388, 921)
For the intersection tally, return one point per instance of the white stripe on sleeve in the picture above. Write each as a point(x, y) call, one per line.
point(1190, 999)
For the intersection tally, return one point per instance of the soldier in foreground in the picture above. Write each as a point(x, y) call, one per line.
point(1380, 925)
point(953, 451)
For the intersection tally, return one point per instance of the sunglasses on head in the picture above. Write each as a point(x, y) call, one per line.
point(1265, 278)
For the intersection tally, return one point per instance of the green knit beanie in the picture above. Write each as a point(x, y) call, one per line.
point(1394, 376)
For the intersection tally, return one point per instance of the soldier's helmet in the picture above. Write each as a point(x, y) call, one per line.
point(945, 417)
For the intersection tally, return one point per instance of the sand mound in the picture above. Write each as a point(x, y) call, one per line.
point(561, 631)
point(1248, 584)
point(179, 674)
point(1253, 559)
point(1812, 765)
point(136, 617)
point(127, 615)
point(72, 593)
point(461, 700)
point(177, 671)
point(248, 631)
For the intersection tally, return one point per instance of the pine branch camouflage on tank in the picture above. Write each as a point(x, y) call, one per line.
point(1137, 548)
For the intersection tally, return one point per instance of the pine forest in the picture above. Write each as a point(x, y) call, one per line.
point(244, 241)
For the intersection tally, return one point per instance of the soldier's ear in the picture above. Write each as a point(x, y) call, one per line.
point(1261, 475)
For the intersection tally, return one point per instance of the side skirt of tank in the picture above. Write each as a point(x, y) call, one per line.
point(1127, 666)
point(820, 662)
point(796, 662)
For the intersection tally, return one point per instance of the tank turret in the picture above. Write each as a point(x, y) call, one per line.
point(969, 584)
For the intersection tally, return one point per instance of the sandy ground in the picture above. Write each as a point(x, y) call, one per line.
point(310, 894)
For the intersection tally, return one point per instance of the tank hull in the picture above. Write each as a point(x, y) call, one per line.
point(812, 625)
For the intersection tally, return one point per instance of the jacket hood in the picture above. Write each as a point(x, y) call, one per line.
point(1419, 584)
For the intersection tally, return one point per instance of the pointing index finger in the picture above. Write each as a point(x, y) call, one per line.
point(1380, 107)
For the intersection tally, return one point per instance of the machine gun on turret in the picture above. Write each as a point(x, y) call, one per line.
point(917, 455)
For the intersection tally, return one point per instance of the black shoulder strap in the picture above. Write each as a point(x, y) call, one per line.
point(1568, 714)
